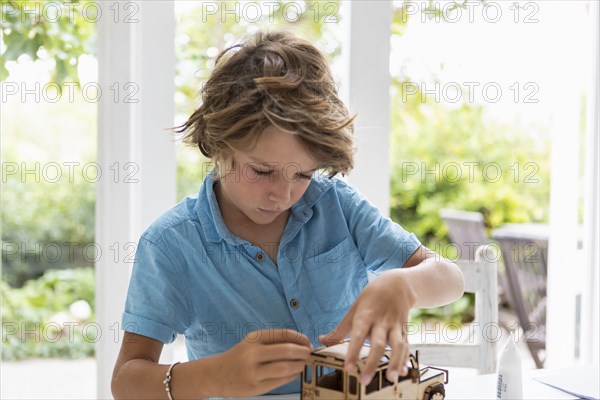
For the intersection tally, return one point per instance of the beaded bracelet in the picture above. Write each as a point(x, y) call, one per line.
point(167, 381)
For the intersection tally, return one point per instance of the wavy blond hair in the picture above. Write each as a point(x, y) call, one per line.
point(272, 78)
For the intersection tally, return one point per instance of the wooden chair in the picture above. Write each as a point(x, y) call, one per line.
point(525, 254)
point(481, 279)
point(466, 230)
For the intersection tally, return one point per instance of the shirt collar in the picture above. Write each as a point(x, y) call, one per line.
point(319, 184)
point(209, 213)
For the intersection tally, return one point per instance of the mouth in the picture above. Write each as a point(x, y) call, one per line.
point(270, 212)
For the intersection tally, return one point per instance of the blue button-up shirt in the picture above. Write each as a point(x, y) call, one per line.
point(192, 276)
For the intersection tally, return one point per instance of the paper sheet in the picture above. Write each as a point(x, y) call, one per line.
point(582, 382)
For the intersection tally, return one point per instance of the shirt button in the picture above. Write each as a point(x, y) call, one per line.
point(260, 256)
point(294, 303)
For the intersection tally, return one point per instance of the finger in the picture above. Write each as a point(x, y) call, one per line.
point(378, 339)
point(360, 330)
point(283, 352)
point(405, 352)
point(342, 330)
point(397, 360)
point(266, 336)
point(404, 358)
point(279, 369)
point(270, 384)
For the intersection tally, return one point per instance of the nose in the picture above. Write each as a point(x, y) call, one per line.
point(280, 191)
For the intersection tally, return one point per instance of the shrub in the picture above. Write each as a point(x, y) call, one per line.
point(431, 143)
point(40, 308)
point(45, 226)
point(503, 173)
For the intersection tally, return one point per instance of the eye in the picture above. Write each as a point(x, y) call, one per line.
point(302, 176)
point(261, 173)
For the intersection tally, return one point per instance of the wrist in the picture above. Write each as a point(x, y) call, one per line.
point(167, 380)
point(209, 370)
point(194, 379)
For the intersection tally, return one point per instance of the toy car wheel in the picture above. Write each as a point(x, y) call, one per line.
point(435, 392)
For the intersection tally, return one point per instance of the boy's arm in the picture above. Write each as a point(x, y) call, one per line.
point(262, 361)
point(380, 313)
point(138, 375)
point(435, 282)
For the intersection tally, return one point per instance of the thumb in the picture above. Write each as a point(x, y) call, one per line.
point(338, 333)
point(269, 336)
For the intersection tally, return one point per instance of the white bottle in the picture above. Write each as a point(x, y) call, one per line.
point(510, 379)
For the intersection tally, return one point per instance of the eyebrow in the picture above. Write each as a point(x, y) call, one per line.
point(266, 164)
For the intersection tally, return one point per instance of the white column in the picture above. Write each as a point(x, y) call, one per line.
point(565, 274)
point(113, 197)
point(136, 67)
point(153, 63)
point(590, 301)
point(366, 90)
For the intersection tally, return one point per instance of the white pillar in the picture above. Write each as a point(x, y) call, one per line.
point(136, 65)
point(153, 62)
point(113, 198)
point(565, 275)
point(366, 90)
point(590, 301)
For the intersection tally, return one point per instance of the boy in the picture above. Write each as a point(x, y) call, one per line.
point(271, 258)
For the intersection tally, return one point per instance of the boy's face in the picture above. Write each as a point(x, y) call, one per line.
point(267, 180)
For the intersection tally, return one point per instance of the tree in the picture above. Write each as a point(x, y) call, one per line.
point(59, 31)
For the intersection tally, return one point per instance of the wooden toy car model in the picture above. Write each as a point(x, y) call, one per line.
point(324, 377)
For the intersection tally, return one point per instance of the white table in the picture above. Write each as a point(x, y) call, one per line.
point(482, 387)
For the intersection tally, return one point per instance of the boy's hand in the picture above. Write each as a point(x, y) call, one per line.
point(380, 313)
point(262, 361)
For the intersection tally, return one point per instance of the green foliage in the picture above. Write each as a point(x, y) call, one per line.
point(443, 157)
point(459, 312)
point(446, 157)
point(45, 225)
point(59, 31)
point(39, 139)
point(39, 308)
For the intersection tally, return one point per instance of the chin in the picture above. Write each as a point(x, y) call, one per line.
point(263, 217)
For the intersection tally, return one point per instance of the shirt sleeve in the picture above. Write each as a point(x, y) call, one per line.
point(382, 243)
point(155, 305)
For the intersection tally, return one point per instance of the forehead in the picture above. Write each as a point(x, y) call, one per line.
point(278, 148)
